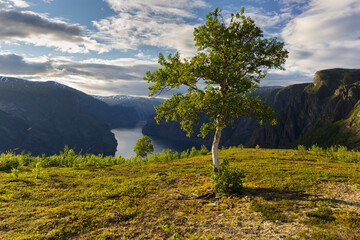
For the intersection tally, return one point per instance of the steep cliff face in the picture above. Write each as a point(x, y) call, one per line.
point(325, 112)
point(316, 114)
point(44, 117)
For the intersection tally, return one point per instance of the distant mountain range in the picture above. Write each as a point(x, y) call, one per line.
point(144, 107)
point(43, 117)
point(325, 112)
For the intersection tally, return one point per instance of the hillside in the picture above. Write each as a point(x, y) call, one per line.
point(324, 112)
point(43, 117)
point(288, 194)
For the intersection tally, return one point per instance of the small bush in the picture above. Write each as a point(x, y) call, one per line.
point(203, 150)
point(15, 172)
point(25, 159)
point(230, 181)
point(317, 150)
point(301, 149)
point(194, 152)
point(38, 171)
point(184, 154)
point(8, 161)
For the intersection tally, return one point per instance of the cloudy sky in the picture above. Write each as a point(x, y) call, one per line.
point(104, 47)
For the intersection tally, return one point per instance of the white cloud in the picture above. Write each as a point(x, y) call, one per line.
point(39, 30)
point(94, 76)
point(20, 3)
point(325, 35)
point(180, 8)
point(265, 19)
point(280, 78)
point(159, 23)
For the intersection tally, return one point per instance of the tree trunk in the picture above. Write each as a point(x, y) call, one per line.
point(214, 151)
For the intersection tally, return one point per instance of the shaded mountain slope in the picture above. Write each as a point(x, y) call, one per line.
point(42, 118)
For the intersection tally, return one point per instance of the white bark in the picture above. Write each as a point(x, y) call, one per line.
point(214, 151)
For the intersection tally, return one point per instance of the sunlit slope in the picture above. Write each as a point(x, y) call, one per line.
point(293, 194)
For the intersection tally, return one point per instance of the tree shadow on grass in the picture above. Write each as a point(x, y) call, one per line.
point(273, 194)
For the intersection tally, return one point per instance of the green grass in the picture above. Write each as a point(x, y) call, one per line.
point(296, 194)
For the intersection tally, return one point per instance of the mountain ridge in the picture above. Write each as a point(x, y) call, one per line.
point(304, 112)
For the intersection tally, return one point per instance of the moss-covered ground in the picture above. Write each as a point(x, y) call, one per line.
point(287, 194)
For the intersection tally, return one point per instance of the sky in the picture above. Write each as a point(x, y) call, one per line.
point(104, 47)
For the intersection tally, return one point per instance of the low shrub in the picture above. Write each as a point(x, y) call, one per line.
point(230, 181)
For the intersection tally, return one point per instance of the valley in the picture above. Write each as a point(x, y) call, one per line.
point(43, 117)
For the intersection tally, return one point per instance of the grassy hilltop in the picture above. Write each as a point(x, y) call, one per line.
point(287, 194)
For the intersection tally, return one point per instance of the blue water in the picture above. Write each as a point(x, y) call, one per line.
point(127, 137)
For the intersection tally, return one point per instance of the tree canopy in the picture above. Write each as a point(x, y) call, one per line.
point(143, 147)
point(232, 57)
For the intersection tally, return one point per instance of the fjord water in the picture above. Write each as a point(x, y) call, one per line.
point(127, 137)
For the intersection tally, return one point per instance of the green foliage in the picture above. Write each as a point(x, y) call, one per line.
point(194, 152)
point(163, 156)
point(301, 149)
point(8, 161)
point(230, 181)
point(203, 150)
point(346, 156)
point(68, 158)
point(39, 174)
point(168, 228)
point(232, 58)
point(15, 172)
point(184, 154)
point(340, 153)
point(143, 147)
point(316, 150)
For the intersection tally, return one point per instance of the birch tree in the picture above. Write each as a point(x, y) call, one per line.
point(232, 57)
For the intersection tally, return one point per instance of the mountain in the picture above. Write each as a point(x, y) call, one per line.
point(43, 117)
point(144, 107)
point(325, 112)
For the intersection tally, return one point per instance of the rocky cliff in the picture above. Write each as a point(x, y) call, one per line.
point(325, 112)
point(42, 118)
